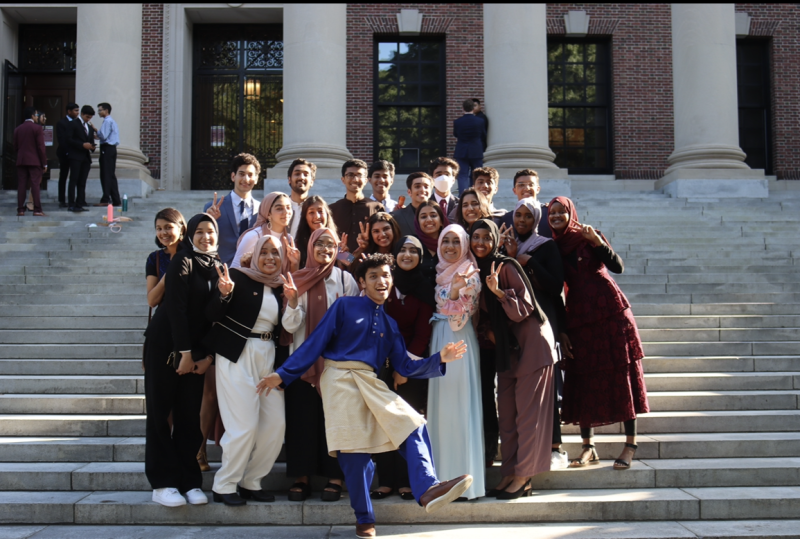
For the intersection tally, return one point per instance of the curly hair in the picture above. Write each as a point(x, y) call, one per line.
point(245, 159)
point(375, 260)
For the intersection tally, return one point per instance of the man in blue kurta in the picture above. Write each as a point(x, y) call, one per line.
point(362, 416)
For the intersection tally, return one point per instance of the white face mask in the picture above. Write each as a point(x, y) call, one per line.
point(443, 183)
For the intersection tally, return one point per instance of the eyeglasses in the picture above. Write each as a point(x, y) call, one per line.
point(353, 176)
point(324, 245)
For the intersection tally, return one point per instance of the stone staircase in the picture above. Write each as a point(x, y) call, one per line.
point(715, 287)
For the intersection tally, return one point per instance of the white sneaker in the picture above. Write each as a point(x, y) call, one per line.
point(558, 460)
point(196, 497)
point(169, 497)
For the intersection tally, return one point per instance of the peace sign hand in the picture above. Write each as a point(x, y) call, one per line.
point(364, 231)
point(290, 290)
point(343, 248)
point(214, 210)
point(225, 284)
point(460, 281)
point(292, 252)
point(590, 234)
point(493, 281)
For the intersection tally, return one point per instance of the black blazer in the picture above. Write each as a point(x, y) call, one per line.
point(62, 136)
point(546, 274)
point(469, 131)
point(186, 295)
point(234, 318)
point(77, 137)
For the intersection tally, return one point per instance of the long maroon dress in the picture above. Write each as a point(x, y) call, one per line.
point(604, 383)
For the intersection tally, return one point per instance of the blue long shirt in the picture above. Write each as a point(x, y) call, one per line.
point(358, 329)
point(109, 132)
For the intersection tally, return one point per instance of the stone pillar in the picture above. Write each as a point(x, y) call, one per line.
point(515, 85)
point(314, 90)
point(707, 161)
point(109, 55)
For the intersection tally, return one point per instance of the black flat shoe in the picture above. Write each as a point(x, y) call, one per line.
point(332, 496)
point(408, 496)
point(232, 499)
point(523, 492)
point(305, 492)
point(256, 495)
point(378, 495)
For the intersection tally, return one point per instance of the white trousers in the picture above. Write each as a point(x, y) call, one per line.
point(254, 424)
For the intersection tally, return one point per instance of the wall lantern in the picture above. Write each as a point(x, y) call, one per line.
point(252, 88)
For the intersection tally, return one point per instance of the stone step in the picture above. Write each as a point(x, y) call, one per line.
point(707, 421)
point(663, 401)
point(722, 381)
point(714, 309)
point(720, 348)
point(72, 425)
point(687, 268)
point(73, 367)
point(706, 278)
point(698, 322)
point(708, 289)
point(70, 311)
point(718, 298)
point(73, 384)
point(72, 289)
point(77, 351)
point(72, 404)
point(708, 335)
point(727, 364)
point(86, 336)
point(64, 271)
point(56, 322)
point(65, 281)
point(120, 301)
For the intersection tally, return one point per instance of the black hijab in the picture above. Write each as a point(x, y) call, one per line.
point(413, 283)
point(204, 262)
point(504, 339)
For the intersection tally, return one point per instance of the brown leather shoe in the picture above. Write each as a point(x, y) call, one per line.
point(440, 495)
point(364, 531)
point(202, 461)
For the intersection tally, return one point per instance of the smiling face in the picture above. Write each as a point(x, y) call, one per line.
point(486, 185)
point(302, 179)
point(355, 179)
point(526, 186)
point(316, 216)
point(558, 217)
point(324, 249)
point(244, 179)
point(168, 233)
point(451, 247)
point(430, 222)
point(471, 208)
point(523, 220)
point(205, 237)
point(420, 191)
point(408, 257)
point(382, 235)
point(381, 181)
point(377, 283)
point(269, 259)
point(281, 213)
point(481, 242)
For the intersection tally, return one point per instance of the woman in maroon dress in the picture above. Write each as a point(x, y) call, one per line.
point(604, 381)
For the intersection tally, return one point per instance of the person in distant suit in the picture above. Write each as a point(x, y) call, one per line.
point(469, 131)
point(444, 171)
point(62, 152)
point(81, 146)
point(236, 212)
point(31, 160)
point(526, 184)
point(478, 111)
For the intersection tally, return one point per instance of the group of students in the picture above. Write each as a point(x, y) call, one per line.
point(527, 292)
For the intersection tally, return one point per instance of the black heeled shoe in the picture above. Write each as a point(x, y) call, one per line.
point(256, 495)
point(332, 495)
point(593, 458)
point(378, 495)
point(302, 494)
point(523, 492)
point(406, 495)
point(620, 464)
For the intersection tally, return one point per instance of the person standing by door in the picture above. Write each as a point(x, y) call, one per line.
point(31, 160)
point(469, 131)
point(108, 135)
point(81, 146)
point(62, 152)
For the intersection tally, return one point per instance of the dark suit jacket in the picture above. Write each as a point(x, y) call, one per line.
point(234, 319)
point(405, 219)
point(29, 145)
point(452, 206)
point(486, 121)
point(469, 131)
point(229, 228)
point(62, 136)
point(544, 226)
point(77, 137)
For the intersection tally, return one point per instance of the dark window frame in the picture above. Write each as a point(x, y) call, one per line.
point(607, 104)
point(766, 94)
point(441, 104)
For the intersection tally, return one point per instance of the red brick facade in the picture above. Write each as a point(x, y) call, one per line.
point(462, 28)
point(152, 54)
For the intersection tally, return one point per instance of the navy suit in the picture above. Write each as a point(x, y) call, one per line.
point(229, 228)
point(469, 131)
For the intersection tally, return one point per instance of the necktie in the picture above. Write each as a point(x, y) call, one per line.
point(86, 128)
point(243, 224)
point(443, 204)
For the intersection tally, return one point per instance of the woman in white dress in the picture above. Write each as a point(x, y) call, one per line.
point(309, 293)
point(274, 217)
point(455, 420)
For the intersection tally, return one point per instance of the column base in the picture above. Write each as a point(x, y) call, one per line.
point(714, 183)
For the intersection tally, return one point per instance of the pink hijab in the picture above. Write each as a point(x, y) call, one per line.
point(446, 271)
point(262, 220)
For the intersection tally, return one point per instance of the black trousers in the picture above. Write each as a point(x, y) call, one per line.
point(108, 174)
point(78, 173)
point(63, 175)
point(170, 458)
point(491, 426)
point(558, 381)
point(630, 429)
point(306, 444)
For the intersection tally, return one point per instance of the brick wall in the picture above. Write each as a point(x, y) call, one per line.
point(152, 52)
point(641, 84)
point(462, 26)
point(779, 23)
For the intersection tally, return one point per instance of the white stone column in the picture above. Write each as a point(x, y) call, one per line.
point(515, 85)
point(314, 90)
point(707, 160)
point(109, 69)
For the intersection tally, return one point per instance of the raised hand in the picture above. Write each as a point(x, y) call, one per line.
point(268, 383)
point(453, 351)
point(214, 209)
point(290, 290)
point(225, 284)
point(460, 280)
point(343, 248)
point(590, 234)
point(292, 253)
point(493, 280)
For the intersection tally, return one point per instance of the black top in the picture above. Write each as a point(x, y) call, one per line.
point(236, 315)
point(157, 263)
point(546, 274)
point(428, 265)
point(186, 295)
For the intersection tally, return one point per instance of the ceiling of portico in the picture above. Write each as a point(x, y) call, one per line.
point(234, 13)
point(41, 13)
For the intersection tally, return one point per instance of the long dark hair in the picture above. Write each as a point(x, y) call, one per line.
point(382, 217)
point(171, 215)
point(304, 231)
point(486, 212)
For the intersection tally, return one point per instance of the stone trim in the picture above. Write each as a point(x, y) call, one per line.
point(788, 174)
point(639, 174)
point(763, 27)
point(597, 27)
point(430, 25)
